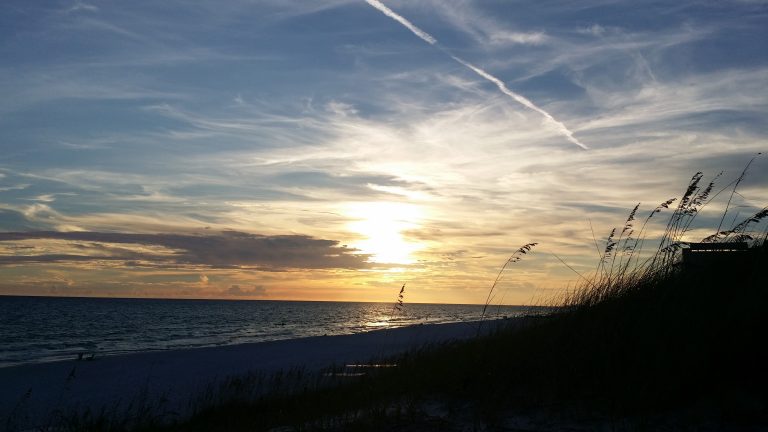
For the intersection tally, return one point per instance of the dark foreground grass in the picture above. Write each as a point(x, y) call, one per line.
point(688, 351)
point(685, 351)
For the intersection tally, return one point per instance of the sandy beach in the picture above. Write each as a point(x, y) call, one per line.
point(34, 391)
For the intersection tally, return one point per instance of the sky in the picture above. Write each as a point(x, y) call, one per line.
point(334, 150)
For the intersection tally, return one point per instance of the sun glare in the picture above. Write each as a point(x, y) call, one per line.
point(382, 225)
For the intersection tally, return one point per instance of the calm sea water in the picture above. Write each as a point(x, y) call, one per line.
point(42, 329)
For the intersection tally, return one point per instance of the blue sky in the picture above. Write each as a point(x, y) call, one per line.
point(330, 128)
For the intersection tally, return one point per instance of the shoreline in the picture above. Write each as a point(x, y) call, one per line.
point(53, 329)
point(228, 299)
point(177, 376)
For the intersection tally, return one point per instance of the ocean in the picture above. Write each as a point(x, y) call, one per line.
point(45, 329)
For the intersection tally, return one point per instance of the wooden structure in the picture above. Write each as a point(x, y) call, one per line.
point(698, 255)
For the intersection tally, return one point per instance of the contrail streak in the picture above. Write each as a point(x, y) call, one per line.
point(523, 101)
point(561, 128)
point(409, 25)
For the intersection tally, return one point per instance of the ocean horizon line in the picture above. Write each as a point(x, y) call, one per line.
point(257, 300)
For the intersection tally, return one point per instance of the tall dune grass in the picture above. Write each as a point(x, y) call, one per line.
point(622, 267)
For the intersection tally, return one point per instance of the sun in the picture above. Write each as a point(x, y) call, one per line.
point(382, 224)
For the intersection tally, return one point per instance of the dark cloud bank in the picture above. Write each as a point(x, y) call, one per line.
point(229, 249)
point(255, 291)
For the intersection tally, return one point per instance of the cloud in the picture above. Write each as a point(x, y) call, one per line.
point(15, 220)
point(594, 30)
point(14, 187)
point(237, 291)
point(223, 250)
point(483, 27)
point(677, 103)
point(341, 108)
point(82, 6)
point(532, 38)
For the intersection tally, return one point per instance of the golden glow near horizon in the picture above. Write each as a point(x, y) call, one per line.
point(263, 162)
point(382, 224)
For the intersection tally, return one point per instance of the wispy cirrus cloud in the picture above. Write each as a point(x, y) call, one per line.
point(82, 6)
point(531, 38)
point(486, 30)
